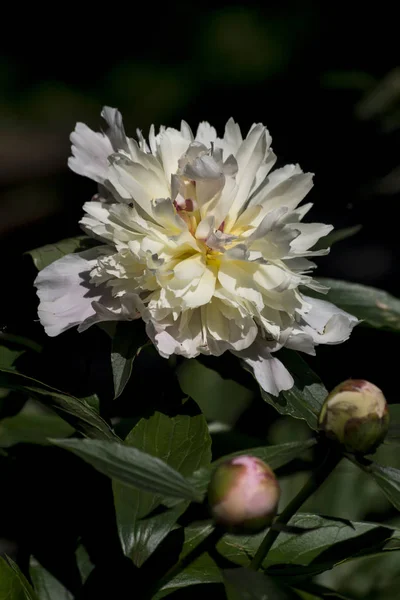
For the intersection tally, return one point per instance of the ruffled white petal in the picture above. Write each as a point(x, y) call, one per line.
point(203, 241)
point(326, 323)
point(90, 153)
point(270, 373)
point(65, 293)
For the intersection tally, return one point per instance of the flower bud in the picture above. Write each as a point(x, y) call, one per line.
point(243, 494)
point(356, 415)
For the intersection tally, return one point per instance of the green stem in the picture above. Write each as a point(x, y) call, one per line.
point(208, 543)
point(331, 460)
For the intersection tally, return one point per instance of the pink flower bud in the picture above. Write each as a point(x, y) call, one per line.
point(243, 494)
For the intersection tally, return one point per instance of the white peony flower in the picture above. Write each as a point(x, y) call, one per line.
point(201, 240)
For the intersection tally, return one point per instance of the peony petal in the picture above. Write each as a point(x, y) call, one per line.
point(65, 294)
point(325, 322)
point(116, 131)
point(270, 373)
point(206, 134)
point(90, 153)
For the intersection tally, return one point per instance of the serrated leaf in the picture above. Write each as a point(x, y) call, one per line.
point(32, 425)
point(13, 584)
point(244, 584)
point(304, 400)
point(46, 586)
point(132, 467)
point(128, 339)
point(373, 306)
point(183, 442)
point(292, 557)
point(276, 456)
point(45, 255)
point(73, 410)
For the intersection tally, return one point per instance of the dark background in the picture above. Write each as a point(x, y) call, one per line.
point(325, 80)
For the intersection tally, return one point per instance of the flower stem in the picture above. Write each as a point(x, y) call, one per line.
point(331, 460)
point(208, 543)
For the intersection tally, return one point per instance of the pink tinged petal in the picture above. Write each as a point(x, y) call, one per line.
point(270, 373)
point(165, 214)
point(209, 178)
point(65, 294)
point(90, 153)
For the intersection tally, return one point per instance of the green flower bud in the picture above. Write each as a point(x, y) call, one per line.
point(356, 415)
point(243, 495)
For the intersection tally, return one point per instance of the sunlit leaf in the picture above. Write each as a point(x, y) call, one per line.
point(183, 442)
point(132, 467)
point(13, 584)
point(47, 587)
point(304, 400)
point(293, 557)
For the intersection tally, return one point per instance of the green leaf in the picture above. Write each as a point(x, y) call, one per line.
point(388, 480)
point(44, 256)
point(375, 307)
point(84, 563)
point(276, 456)
point(314, 591)
point(393, 435)
point(304, 400)
point(33, 425)
point(126, 344)
point(13, 584)
point(132, 467)
point(337, 235)
point(183, 442)
point(292, 557)
point(220, 399)
point(244, 584)
point(19, 340)
point(46, 586)
point(8, 357)
point(76, 412)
